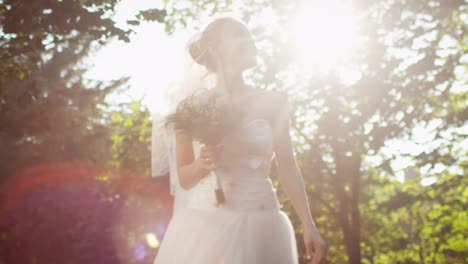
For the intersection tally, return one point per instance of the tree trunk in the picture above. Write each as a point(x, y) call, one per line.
point(347, 188)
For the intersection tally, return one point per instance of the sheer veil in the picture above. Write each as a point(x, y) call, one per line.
point(163, 151)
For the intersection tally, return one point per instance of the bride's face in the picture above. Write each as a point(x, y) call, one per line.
point(237, 48)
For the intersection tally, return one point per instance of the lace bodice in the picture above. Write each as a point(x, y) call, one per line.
point(247, 151)
point(244, 165)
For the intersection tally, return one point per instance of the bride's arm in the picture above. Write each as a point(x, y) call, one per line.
point(289, 175)
point(189, 169)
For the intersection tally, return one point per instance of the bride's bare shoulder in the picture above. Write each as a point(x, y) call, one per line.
point(205, 92)
point(272, 103)
point(277, 94)
point(276, 98)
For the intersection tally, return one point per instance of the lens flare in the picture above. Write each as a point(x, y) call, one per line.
point(323, 33)
point(152, 240)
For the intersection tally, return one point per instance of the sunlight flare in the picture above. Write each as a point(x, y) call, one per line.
point(323, 33)
point(152, 240)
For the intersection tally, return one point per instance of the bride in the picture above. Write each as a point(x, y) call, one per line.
point(250, 227)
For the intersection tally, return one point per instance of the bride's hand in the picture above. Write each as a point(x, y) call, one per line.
point(208, 155)
point(314, 242)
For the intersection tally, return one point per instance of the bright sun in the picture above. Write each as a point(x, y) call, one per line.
point(323, 33)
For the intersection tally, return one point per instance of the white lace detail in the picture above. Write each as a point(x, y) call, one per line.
point(244, 171)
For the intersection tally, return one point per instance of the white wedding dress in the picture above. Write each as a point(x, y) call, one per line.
point(250, 228)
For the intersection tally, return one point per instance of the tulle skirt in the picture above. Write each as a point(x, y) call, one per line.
point(251, 228)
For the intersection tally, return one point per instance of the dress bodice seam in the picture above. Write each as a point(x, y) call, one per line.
point(248, 122)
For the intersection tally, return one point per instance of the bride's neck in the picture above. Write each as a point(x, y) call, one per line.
point(233, 84)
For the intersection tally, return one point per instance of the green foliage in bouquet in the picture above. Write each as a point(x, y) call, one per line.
point(207, 116)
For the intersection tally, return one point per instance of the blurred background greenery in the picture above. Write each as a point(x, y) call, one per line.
point(378, 93)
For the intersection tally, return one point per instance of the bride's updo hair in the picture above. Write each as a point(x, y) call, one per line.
point(202, 44)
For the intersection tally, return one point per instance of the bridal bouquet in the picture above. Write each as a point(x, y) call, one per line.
point(207, 118)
